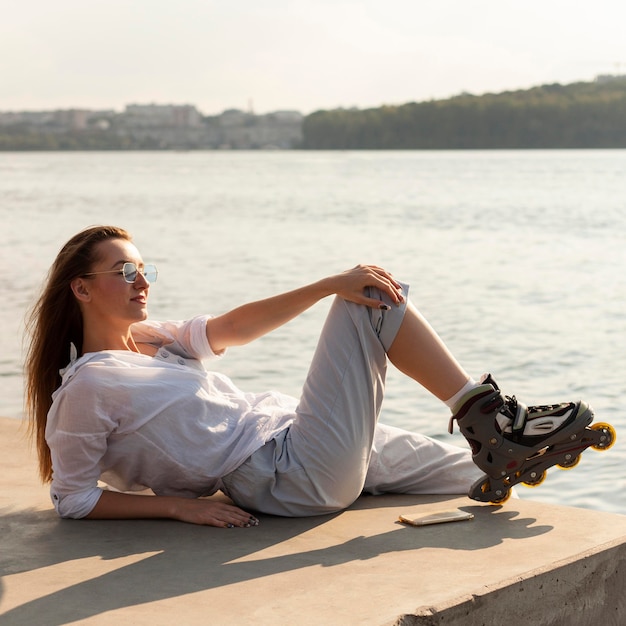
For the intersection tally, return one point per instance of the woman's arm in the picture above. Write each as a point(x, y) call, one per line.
point(115, 505)
point(250, 321)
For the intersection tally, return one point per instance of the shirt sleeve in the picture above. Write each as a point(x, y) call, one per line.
point(76, 434)
point(189, 336)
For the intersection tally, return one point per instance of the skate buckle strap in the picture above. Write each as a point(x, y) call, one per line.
point(451, 424)
point(521, 415)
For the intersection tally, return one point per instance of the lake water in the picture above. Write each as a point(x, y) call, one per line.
point(518, 259)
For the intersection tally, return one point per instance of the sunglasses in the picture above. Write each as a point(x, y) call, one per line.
point(129, 271)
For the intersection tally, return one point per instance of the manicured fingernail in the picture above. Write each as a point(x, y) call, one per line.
point(230, 525)
point(384, 307)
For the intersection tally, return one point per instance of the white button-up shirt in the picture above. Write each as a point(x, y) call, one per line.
point(162, 422)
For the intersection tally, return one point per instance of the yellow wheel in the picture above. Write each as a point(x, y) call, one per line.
point(610, 435)
point(502, 499)
point(536, 480)
point(570, 464)
point(486, 486)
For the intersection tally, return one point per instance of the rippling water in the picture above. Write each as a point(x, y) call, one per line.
point(518, 259)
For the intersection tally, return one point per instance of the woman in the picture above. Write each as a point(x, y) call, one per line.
point(136, 409)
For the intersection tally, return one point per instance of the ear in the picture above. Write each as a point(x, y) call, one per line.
point(80, 288)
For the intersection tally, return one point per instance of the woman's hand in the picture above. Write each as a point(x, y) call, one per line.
point(351, 284)
point(213, 513)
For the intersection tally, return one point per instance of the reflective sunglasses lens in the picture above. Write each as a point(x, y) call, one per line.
point(130, 272)
point(150, 273)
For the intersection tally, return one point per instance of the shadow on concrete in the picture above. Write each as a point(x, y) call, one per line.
point(176, 559)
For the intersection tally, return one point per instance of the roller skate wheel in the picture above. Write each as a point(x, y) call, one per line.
point(501, 495)
point(569, 463)
point(610, 435)
point(535, 479)
point(501, 499)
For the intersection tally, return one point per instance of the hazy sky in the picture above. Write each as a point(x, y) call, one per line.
point(296, 54)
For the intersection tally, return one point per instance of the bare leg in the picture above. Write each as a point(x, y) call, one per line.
point(419, 352)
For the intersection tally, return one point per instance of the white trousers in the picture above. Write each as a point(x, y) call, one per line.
point(336, 449)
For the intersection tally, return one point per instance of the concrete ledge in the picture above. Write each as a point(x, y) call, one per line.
point(522, 563)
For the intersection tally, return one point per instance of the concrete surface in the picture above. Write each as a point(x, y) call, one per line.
point(521, 563)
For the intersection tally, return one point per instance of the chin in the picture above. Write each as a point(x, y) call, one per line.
point(140, 316)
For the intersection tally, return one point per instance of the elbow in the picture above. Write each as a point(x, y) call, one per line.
point(75, 505)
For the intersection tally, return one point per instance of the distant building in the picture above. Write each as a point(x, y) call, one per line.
point(171, 126)
point(60, 120)
point(244, 131)
point(72, 119)
point(31, 118)
point(162, 115)
point(609, 78)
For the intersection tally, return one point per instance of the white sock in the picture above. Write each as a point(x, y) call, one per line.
point(468, 386)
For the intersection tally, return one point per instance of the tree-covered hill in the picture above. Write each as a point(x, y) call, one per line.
point(579, 115)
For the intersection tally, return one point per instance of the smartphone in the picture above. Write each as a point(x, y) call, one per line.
point(436, 518)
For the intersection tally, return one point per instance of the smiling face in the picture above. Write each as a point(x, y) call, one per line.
point(106, 299)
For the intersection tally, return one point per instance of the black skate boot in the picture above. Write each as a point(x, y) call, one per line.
point(513, 443)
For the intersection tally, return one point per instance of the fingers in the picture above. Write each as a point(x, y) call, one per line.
point(396, 287)
point(230, 516)
point(383, 273)
point(234, 517)
point(240, 519)
point(210, 513)
point(250, 521)
point(374, 276)
point(351, 284)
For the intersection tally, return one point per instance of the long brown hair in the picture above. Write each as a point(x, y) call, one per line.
point(54, 322)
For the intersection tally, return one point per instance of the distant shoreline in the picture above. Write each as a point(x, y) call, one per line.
point(585, 115)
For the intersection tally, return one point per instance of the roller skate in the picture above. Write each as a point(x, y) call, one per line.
point(513, 443)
